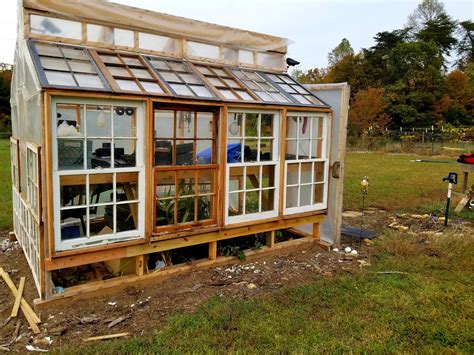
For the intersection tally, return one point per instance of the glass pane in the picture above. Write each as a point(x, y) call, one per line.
point(56, 27)
point(70, 120)
point(206, 181)
point(186, 182)
point(164, 152)
point(99, 122)
point(141, 73)
point(164, 123)
point(252, 202)
point(316, 148)
point(236, 179)
point(264, 96)
point(177, 66)
point(74, 53)
point(59, 78)
point(126, 187)
point(204, 152)
point(101, 220)
point(232, 83)
point(205, 207)
point(234, 122)
point(229, 95)
point(319, 172)
point(300, 89)
point(301, 99)
point(266, 125)
point(119, 71)
point(266, 149)
point(110, 59)
point(190, 79)
point(246, 57)
point(101, 188)
point(251, 125)
point(318, 193)
point(203, 50)
point(81, 67)
point(268, 176)
point(169, 76)
point(305, 195)
point(220, 72)
point(160, 64)
point(124, 122)
point(252, 85)
point(165, 184)
point(89, 81)
point(184, 152)
point(97, 33)
point(318, 124)
point(127, 217)
point(99, 153)
point(54, 63)
point(204, 70)
point(204, 125)
point(250, 150)
point(292, 196)
point(313, 100)
point(292, 174)
point(128, 85)
point(152, 87)
point(291, 126)
point(123, 37)
point(287, 79)
point(279, 97)
point(185, 124)
point(215, 81)
point(268, 200)
point(73, 190)
point(236, 204)
point(165, 210)
point(132, 61)
point(157, 43)
point(125, 153)
point(303, 149)
point(306, 174)
point(186, 208)
point(252, 180)
point(234, 149)
point(287, 88)
point(182, 90)
point(244, 95)
point(49, 50)
point(70, 154)
point(201, 91)
point(304, 127)
point(73, 223)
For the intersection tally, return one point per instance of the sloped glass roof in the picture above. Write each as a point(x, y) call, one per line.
point(73, 67)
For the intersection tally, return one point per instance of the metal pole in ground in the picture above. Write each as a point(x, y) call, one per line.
point(452, 178)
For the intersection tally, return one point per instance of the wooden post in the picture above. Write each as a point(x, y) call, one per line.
point(140, 265)
point(270, 239)
point(213, 250)
point(316, 231)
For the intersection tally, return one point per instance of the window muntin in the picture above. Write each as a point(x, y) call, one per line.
point(225, 83)
point(100, 189)
point(252, 176)
point(55, 27)
point(180, 78)
point(306, 162)
point(298, 94)
point(185, 159)
point(131, 73)
point(260, 86)
point(67, 66)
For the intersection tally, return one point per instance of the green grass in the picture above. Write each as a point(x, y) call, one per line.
point(6, 222)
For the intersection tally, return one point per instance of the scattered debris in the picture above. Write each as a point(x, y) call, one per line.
point(347, 249)
point(336, 250)
point(7, 246)
point(354, 252)
point(89, 319)
point(118, 320)
point(251, 286)
point(112, 303)
point(105, 337)
point(30, 347)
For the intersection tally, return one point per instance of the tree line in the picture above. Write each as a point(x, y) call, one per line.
point(408, 78)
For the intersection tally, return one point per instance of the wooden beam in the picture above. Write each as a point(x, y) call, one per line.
point(316, 231)
point(270, 239)
point(140, 265)
point(213, 250)
point(105, 337)
point(19, 296)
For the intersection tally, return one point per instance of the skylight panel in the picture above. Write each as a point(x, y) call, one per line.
point(297, 92)
point(260, 86)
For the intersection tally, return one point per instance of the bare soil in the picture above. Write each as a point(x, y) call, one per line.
point(140, 310)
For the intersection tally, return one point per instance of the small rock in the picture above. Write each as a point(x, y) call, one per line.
point(354, 252)
point(347, 249)
point(336, 250)
point(251, 286)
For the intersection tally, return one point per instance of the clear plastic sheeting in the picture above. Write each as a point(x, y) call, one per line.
point(101, 10)
point(55, 27)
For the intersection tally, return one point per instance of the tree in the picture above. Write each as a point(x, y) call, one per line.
point(426, 11)
point(368, 110)
point(5, 83)
point(312, 76)
point(465, 44)
point(440, 31)
point(341, 51)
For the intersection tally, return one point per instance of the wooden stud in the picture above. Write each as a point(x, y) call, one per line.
point(49, 174)
point(282, 161)
point(213, 250)
point(140, 265)
point(316, 231)
point(19, 296)
point(270, 239)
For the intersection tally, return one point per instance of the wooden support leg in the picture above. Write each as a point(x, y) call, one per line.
point(213, 250)
point(140, 265)
point(316, 231)
point(270, 239)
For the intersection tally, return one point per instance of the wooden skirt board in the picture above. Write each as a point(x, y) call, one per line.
point(110, 286)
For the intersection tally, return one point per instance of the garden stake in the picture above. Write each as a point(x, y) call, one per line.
point(452, 178)
point(364, 190)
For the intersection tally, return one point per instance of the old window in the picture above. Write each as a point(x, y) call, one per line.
point(298, 93)
point(131, 73)
point(252, 165)
point(185, 159)
point(225, 83)
point(306, 162)
point(180, 78)
point(98, 172)
point(260, 86)
point(55, 27)
point(66, 66)
point(33, 179)
point(15, 162)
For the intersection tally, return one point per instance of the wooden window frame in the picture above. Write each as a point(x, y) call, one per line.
point(15, 147)
point(181, 168)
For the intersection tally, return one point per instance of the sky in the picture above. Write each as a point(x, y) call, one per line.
point(314, 26)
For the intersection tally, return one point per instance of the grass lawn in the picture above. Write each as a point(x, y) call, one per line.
point(6, 222)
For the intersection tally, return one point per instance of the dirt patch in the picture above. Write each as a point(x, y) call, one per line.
point(140, 310)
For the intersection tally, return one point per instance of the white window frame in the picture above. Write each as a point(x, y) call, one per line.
point(324, 158)
point(85, 242)
point(275, 162)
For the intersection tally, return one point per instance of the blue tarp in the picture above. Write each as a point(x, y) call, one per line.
point(233, 154)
